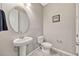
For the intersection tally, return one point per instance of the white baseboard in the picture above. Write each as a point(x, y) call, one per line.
point(63, 52)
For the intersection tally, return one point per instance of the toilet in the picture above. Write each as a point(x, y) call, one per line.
point(45, 46)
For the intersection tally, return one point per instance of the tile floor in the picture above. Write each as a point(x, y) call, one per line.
point(38, 52)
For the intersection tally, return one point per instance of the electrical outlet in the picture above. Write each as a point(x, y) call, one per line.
point(59, 41)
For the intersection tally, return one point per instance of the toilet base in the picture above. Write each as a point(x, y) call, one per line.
point(47, 51)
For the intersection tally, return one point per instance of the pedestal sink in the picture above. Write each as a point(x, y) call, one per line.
point(22, 44)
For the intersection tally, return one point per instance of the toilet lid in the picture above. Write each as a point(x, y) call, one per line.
point(47, 44)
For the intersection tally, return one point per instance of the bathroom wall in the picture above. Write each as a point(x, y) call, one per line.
point(64, 30)
point(36, 28)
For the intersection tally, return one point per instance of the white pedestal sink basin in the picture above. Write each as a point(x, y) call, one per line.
point(22, 43)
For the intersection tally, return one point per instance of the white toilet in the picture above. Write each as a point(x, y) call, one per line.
point(46, 46)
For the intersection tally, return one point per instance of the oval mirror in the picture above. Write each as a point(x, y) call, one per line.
point(19, 19)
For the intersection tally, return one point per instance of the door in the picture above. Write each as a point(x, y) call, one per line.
point(77, 29)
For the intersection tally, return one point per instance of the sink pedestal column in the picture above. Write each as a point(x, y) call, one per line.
point(22, 50)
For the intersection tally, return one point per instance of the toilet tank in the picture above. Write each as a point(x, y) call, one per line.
point(40, 39)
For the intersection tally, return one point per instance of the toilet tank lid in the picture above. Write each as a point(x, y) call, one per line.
point(46, 44)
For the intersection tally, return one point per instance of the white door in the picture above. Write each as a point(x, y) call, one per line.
point(77, 22)
point(77, 28)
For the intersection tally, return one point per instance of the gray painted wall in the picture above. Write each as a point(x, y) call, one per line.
point(36, 29)
point(65, 30)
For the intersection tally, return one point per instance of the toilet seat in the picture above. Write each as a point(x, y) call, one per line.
point(46, 47)
point(46, 44)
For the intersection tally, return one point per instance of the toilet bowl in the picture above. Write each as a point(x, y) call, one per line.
point(45, 46)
